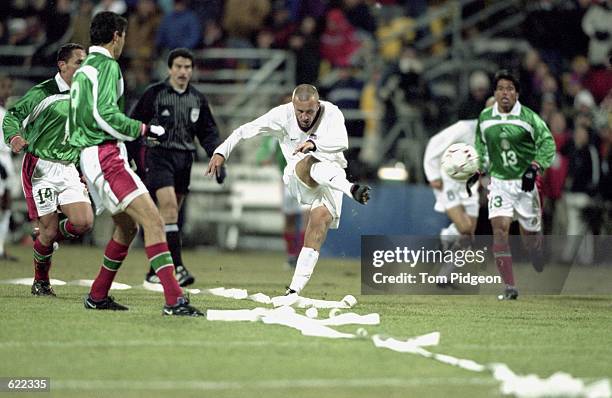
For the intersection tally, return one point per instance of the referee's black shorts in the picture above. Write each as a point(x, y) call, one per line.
point(168, 168)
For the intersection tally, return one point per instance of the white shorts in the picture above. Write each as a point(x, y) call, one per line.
point(314, 197)
point(290, 205)
point(506, 199)
point(111, 181)
point(48, 185)
point(453, 194)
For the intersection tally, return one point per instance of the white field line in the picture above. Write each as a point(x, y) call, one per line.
point(150, 343)
point(141, 385)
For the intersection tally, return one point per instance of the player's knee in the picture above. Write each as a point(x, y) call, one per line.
point(82, 224)
point(321, 217)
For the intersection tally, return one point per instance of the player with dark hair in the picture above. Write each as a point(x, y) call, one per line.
point(312, 136)
point(184, 113)
point(98, 128)
point(514, 145)
point(51, 182)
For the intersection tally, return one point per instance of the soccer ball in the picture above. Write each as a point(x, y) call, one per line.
point(460, 161)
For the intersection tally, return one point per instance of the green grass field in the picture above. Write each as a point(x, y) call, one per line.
point(140, 353)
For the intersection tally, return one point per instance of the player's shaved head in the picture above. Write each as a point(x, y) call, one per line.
point(305, 101)
point(305, 92)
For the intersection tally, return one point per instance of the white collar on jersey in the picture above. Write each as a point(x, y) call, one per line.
point(101, 50)
point(61, 84)
point(516, 110)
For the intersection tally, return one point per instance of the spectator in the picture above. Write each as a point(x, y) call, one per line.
point(554, 177)
point(243, 19)
point(80, 23)
point(339, 41)
point(597, 24)
point(479, 91)
point(180, 28)
point(116, 6)
point(581, 184)
point(305, 45)
point(358, 14)
point(142, 28)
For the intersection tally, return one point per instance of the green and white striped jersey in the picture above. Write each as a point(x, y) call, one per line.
point(40, 118)
point(508, 143)
point(96, 103)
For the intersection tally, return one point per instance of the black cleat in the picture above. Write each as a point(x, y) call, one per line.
point(289, 291)
point(509, 294)
point(152, 277)
point(107, 303)
point(183, 277)
point(42, 288)
point(181, 308)
point(361, 193)
point(538, 259)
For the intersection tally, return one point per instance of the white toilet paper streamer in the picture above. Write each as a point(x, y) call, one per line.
point(57, 282)
point(530, 386)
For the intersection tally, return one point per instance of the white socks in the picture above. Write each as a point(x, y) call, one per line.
point(5, 218)
point(303, 270)
point(329, 175)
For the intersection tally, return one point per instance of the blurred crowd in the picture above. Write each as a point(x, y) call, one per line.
point(565, 72)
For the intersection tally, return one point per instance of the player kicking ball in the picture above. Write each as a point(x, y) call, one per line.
point(312, 136)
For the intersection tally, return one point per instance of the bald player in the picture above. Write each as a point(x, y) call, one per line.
point(312, 136)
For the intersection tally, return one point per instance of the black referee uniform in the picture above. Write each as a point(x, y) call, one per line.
point(184, 116)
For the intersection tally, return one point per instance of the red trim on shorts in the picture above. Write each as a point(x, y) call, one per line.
point(27, 171)
point(114, 170)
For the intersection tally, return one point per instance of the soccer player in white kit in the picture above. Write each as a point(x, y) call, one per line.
point(312, 136)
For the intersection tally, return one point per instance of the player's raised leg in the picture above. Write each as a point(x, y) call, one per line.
point(327, 174)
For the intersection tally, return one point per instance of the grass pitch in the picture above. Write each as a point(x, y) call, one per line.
point(140, 353)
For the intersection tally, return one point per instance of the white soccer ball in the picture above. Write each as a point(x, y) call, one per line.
point(460, 161)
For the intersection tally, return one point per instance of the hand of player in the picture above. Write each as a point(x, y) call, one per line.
point(18, 143)
point(154, 134)
point(214, 166)
point(305, 147)
point(471, 181)
point(436, 184)
point(529, 177)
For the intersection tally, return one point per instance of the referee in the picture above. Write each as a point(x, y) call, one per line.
point(184, 112)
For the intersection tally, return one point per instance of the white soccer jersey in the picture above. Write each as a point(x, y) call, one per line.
point(463, 131)
point(328, 133)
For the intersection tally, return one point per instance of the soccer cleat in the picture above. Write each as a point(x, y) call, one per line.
point(152, 278)
point(42, 288)
point(538, 259)
point(107, 303)
point(181, 308)
point(509, 294)
point(183, 277)
point(361, 193)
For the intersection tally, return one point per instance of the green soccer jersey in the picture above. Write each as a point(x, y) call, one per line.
point(96, 103)
point(40, 118)
point(508, 143)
